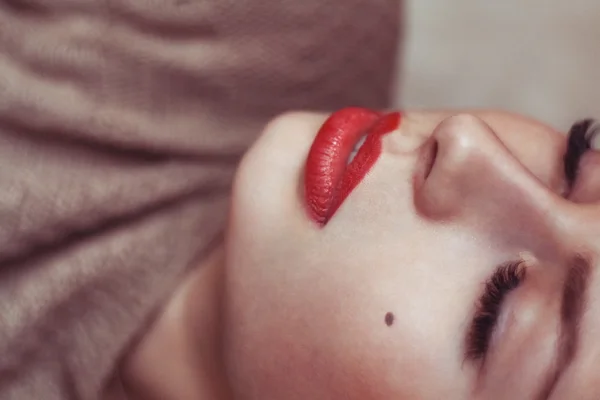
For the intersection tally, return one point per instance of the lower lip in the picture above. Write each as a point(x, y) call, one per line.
point(328, 180)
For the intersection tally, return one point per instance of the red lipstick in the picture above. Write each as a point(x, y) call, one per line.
point(328, 180)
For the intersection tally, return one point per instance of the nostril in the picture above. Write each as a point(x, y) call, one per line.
point(428, 153)
point(431, 156)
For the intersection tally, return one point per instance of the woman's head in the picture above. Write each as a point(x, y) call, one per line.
point(454, 269)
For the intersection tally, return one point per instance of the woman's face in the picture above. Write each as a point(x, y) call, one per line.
point(475, 278)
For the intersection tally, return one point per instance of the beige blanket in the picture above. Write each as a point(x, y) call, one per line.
point(121, 123)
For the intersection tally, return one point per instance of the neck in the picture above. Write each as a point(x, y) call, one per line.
point(179, 357)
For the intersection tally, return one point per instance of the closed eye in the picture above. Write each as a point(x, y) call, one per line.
point(505, 278)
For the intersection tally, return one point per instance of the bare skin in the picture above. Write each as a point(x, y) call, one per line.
point(377, 304)
point(179, 357)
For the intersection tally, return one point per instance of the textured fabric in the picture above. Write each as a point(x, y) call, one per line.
point(121, 123)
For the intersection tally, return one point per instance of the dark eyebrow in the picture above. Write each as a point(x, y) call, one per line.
point(573, 305)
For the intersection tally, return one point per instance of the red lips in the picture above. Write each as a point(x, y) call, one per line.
point(328, 180)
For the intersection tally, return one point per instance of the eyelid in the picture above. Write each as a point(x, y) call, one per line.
point(504, 279)
point(504, 320)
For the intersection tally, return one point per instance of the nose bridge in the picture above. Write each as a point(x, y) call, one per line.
point(473, 167)
point(475, 178)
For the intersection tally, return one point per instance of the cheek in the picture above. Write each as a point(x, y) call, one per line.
point(320, 317)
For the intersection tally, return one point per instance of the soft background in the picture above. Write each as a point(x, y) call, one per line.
point(536, 57)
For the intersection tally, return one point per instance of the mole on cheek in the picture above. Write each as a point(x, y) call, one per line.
point(389, 319)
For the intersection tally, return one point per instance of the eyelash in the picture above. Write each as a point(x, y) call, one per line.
point(505, 279)
point(579, 142)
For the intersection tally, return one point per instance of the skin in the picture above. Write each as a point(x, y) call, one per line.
point(376, 304)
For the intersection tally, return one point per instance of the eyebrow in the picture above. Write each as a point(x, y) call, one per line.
point(573, 306)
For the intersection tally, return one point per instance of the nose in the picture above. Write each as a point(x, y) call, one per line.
point(476, 179)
